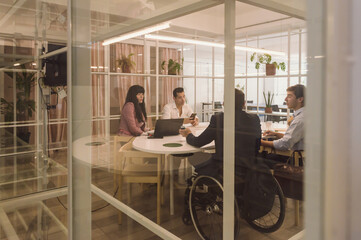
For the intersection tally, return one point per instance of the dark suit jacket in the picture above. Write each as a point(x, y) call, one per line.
point(247, 137)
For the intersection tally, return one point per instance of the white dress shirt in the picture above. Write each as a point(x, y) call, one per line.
point(170, 111)
point(293, 138)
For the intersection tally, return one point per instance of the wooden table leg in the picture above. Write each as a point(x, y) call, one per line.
point(171, 185)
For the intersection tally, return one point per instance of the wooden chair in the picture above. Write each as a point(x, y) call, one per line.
point(132, 171)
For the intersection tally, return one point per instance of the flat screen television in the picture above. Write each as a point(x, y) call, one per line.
point(55, 67)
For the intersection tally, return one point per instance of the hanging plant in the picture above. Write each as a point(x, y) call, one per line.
point(267, 60)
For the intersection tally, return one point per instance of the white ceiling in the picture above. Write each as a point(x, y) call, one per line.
point(18, 19)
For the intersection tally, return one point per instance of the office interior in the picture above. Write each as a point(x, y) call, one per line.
point(49, 188)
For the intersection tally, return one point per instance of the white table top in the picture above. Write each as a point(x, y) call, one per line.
point(142, 143)
point(281, 114)
point(94, 150)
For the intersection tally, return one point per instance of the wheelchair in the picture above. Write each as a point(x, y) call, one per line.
point(258, 199)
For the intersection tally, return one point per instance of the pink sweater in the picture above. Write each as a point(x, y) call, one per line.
point(129, 124)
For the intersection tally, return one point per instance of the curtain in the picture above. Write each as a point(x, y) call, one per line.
point(57, 133)
point(123, 83)
point(98, 89)
point(169, 83)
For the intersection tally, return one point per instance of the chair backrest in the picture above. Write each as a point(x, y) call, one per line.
point(123, 139)
point(127, 146)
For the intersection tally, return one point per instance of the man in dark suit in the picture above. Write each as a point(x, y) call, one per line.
point(247, 138)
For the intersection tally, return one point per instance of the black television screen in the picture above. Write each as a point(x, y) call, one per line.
point(55, 67)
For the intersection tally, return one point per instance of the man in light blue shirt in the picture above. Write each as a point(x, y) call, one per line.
point(293, 137)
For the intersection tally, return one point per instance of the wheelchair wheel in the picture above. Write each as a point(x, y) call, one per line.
point(206, 208)
point(273, 220)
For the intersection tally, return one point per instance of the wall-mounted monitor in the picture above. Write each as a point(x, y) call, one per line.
point(55, 67)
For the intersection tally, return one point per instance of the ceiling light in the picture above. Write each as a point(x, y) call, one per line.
point(137, 33)
point(211, 44)
point(16, 64)
point(184, 40)
point(259, 50)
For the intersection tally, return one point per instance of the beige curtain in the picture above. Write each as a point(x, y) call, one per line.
point(57, 133)
point(98, 89)
point(123, 83)
point(169, 83)
point(98, 104)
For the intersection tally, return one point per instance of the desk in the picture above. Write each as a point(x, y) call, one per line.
point(218, 107)
point(95, 151)
point(280, 114)
point(142, 143)
point(253, 105)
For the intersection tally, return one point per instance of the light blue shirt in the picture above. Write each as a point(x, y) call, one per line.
point(293, 138)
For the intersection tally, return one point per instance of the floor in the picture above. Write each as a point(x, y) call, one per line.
point(104, 220)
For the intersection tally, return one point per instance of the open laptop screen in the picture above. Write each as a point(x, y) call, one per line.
point(167, 127)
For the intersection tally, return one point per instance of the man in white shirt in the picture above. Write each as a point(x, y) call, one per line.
point(179, 108)
point(293, 137)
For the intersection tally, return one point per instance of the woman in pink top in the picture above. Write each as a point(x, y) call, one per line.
point(132, 120)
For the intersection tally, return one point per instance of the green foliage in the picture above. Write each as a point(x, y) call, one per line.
point(174, 67)
point(268, 99)
point(126, 63)
point(266, 59)
point(24, 105)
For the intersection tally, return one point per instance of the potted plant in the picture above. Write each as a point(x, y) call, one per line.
point(126, 63)
point(267, 59)
point(25, 106)
point(174, 67)
point(268, 101)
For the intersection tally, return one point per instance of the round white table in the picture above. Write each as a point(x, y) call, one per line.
point(95, 151)
point(156, 145)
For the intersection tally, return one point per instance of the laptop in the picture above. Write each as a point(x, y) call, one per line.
point(167, 127)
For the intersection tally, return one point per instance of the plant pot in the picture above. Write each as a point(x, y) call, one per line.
point(172, 72)
point(268, 110)
point(270, 69)
point(126, 69)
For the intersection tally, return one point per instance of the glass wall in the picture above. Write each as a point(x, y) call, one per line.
point(78, 161)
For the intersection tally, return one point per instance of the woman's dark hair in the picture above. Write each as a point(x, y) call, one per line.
point(139, 107)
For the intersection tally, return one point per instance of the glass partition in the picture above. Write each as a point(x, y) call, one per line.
point(88, 152)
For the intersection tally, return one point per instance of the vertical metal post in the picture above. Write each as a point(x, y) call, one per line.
point(107, 89)
point(79, 114)
point(288, 64)
point(229, 123)
point(246, 83)
point(315, 121)
point(195, 79)
point(258, 81)
point(289, 57)
point(213, 84)
point(157, 78)
point(299, 55)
